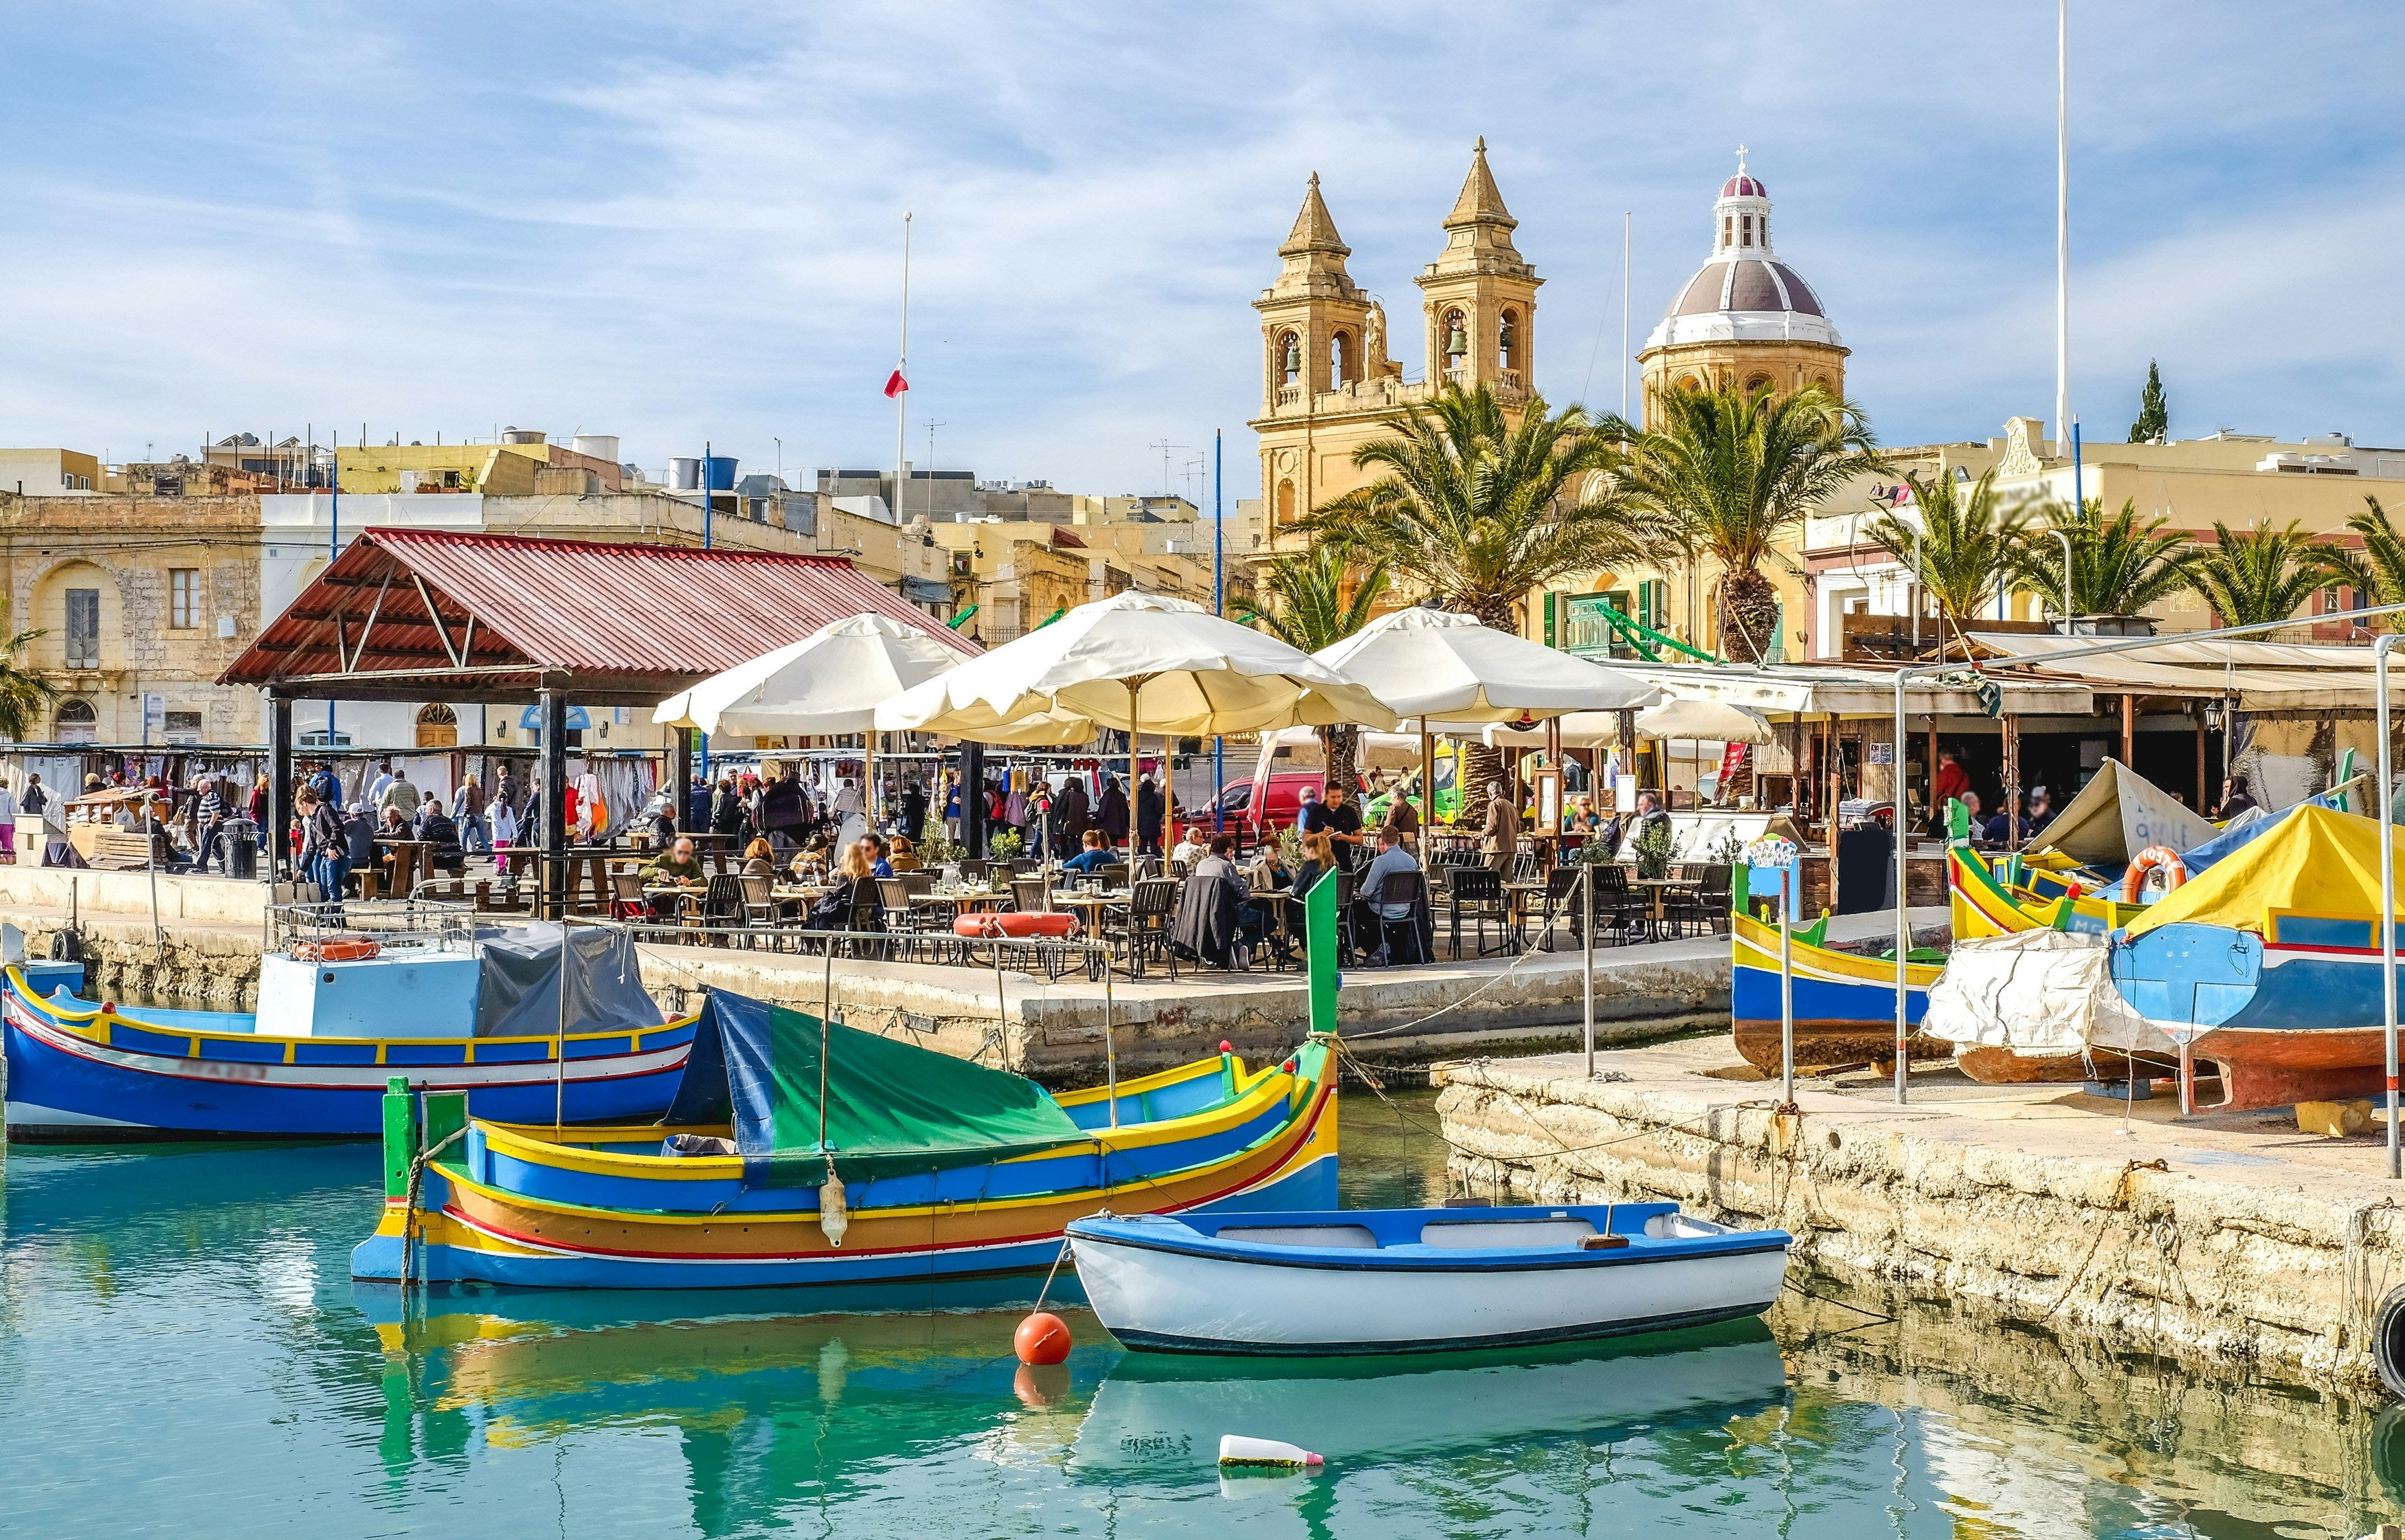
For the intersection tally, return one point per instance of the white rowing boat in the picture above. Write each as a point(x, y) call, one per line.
point(1397, 1280)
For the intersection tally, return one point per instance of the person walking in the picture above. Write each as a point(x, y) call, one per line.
point(1501, 838)
point(208, 819)
point(1149, 813)
point(468, 815)
point(1113, 818)
point(325, 852)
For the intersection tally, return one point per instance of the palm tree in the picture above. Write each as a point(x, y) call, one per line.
point(1961, 548)
point(1480, 512)
point(2379, 566)
point(1310, 609)
point(24, 696)
point(2264, 575)
point(2118, 566)
point(1730, 471)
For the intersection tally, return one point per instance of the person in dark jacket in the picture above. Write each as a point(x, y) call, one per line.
point(784, 815)
point(1113, 818)
point(726, 809)
point(1210, 925)
point(914, 810)
point(1148, 817)
point(1072, 816)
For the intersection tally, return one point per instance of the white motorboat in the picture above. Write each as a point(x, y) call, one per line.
point(1403, 1280)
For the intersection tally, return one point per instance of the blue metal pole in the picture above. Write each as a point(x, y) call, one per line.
point(1218, 607)
point(2078, 493)
point(334, 549)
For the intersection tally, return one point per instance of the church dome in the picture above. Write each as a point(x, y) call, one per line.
point(1744, 292)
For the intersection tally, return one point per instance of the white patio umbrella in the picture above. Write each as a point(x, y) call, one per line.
point(1716, 721)
point(829, 681)
point(1142, 663)
point(1436, 663)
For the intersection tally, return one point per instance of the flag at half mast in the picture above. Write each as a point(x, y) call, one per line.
point(895, 384)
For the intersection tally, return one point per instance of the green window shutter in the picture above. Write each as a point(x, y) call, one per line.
point(1550, 635)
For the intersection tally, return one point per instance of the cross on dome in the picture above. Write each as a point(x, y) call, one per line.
point(1742, 184)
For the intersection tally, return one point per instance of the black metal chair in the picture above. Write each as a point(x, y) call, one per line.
point(974, 871)
point(1561, 900)
point(866, 916)
point(1115, 874)
point(1031, 895)
point(1475, 894)
point(760, 908)
point(1151, 916)
point(1705, 906)
point(721, 905)
point(1410, 933)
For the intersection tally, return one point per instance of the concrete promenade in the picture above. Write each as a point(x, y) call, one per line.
point(1053, 1030)
point(2229, 1237)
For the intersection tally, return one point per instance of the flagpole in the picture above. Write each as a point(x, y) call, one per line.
point(2061, 221)
point(901, 374)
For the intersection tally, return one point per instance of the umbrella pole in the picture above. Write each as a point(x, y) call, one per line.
point(868, 777)
point(1428, 789)
point(1135, 819)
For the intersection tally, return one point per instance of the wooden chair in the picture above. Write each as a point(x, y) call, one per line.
point(867, 905)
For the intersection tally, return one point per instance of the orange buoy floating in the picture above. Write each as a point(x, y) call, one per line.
point(1041, 1338)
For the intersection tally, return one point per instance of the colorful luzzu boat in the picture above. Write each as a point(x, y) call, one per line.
point(1845, 1002)
point(330, 1035)
point(945, 1168)
point(2269, 964)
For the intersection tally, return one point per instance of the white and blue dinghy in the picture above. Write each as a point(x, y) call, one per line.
point(1407, 1280)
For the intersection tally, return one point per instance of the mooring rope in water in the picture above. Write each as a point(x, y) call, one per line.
point(1422, 1021)
point(1058, 1258)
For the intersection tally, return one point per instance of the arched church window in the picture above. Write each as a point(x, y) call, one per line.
point(1339, 361)
point(1758, 382)
point(1290, 359)
point(78, 723)
point(1286, 503)
point(1507, 337)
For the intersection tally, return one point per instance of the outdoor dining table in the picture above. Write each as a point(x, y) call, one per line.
point(1089, 906)
point(1656, 889)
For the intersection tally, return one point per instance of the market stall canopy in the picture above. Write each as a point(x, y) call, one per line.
point(829, 681)
point(1437, 663)
point(1709, 721)
point(1816, 689)
point(1578, 731)
point(2258, 675)
point(1139, 663)
point(419, 614)
point(2118, 814)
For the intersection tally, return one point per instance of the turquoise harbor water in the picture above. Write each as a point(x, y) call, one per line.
point(182, 1353)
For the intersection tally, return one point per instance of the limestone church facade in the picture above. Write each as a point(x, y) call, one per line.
point(1329, 379)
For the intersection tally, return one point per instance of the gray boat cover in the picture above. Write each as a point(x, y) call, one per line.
point(517, 992)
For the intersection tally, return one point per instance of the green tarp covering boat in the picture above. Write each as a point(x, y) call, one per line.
point(892, 1106)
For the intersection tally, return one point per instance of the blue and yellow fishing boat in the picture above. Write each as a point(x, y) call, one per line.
point(1844, 1001)
point(923, 1166)
point(479, 1017)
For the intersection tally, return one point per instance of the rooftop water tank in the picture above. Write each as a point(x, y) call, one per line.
point(722, 472)
point(684, 473)
point(524, 435)
point(599, 445)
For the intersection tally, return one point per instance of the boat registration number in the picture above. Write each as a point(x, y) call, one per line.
point(225, 1069)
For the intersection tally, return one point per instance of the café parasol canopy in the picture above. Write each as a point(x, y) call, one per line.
point(829, 681)
point(1436, 663)
point(1141, 663)
point(1462, 678)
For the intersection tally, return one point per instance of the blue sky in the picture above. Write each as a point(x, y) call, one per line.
point(673, 222)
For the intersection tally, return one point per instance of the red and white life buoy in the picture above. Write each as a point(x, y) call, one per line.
point(2152, 858)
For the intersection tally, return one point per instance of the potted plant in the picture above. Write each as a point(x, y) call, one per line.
point(1652, 848)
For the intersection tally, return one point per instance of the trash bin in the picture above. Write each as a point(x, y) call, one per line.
point(238, 849)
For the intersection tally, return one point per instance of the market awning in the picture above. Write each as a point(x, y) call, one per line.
point(2258, 675)
point(1815, 689)
point(417, 614)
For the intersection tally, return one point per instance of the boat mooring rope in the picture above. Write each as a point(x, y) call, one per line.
point(409, 1205)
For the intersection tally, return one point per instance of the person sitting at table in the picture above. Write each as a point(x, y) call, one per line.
point(1214, 919)
point(678, 865)
point(874, 846)
point(435, 827)
point(1392, 860)
point(759, 858)
point(1270, 873)
point(833, 911)
point(1096, 856)
point(1582, 818)
point(1649, 811)
point(1192, 847)
point(1318, 860)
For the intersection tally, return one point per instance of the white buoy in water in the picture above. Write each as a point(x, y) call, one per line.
point(1266, 1454)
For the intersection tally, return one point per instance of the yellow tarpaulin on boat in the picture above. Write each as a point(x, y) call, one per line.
point(2315, 859)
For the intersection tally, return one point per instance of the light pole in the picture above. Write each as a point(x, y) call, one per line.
point(2387, 900)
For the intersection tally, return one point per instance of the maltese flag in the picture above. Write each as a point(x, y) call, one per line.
point(895, 384)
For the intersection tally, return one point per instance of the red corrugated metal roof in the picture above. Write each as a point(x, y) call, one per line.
point(638, 615)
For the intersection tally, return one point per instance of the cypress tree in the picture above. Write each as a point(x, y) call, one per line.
point(2154, 417)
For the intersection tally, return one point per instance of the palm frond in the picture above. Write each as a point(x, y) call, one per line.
point(2263, 575)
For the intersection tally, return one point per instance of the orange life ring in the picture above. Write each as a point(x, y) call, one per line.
point(337, 949)
point(2174, 874)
